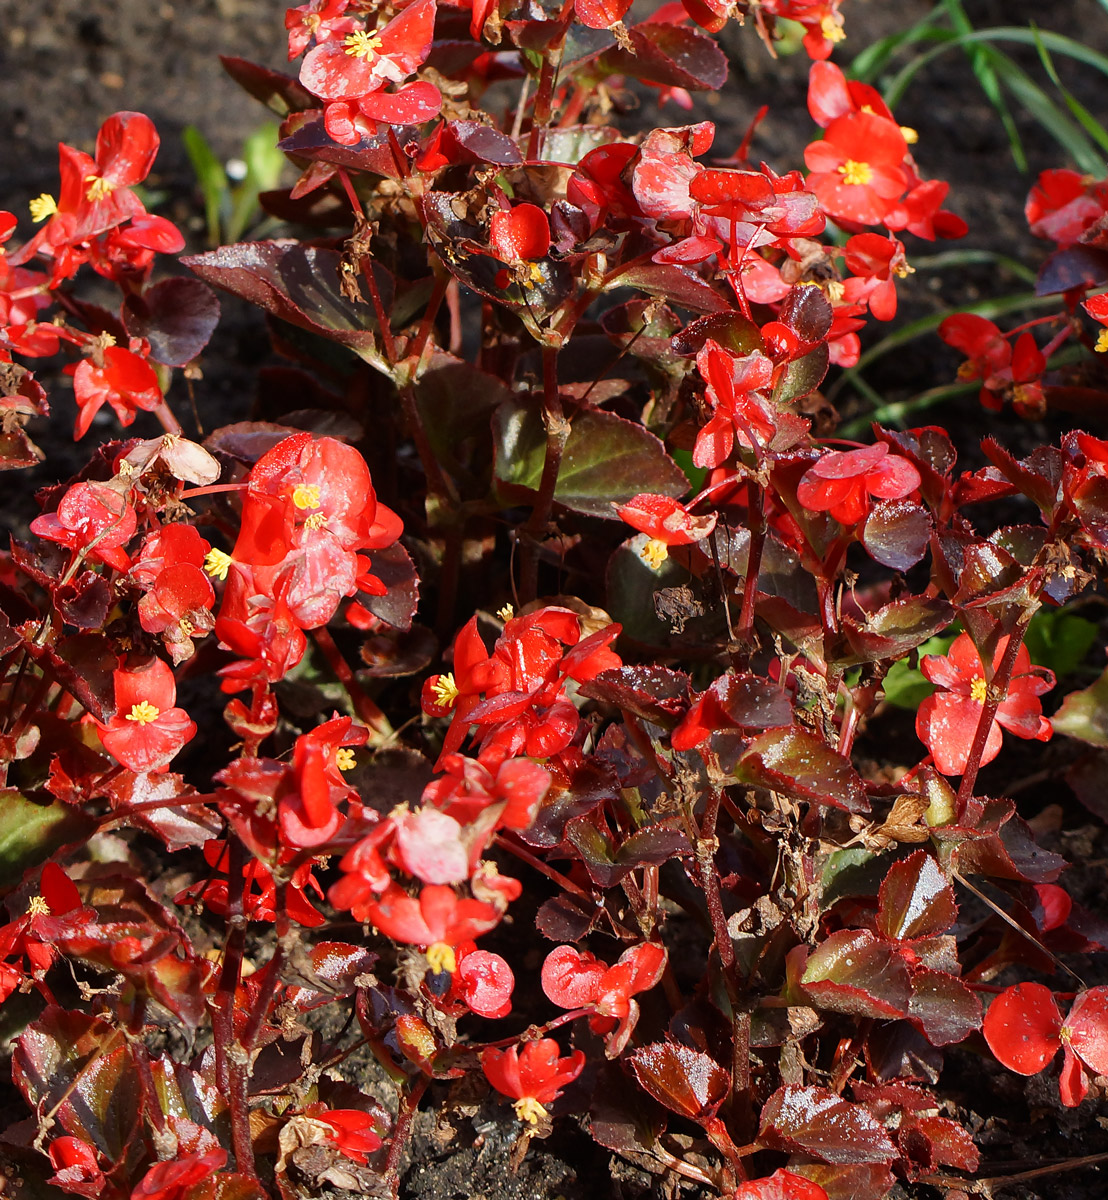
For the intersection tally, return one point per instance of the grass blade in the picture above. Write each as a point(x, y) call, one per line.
point(210, 176)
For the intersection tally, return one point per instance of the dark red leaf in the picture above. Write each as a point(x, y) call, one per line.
point(670, 55)
point(393, 566)
point(916, 899)
point(656, 694)
point(802, 765)
point(852, 971)
point(177, 316)
point(815, 1121)
point(686, 1081)
point(942, 1007)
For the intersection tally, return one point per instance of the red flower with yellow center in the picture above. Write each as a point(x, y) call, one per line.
point(857, 170)
point(147, 729)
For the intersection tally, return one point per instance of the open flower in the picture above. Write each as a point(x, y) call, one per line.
point(147, 730)
point(947, 721)
point(1025, 1030)
point(533, 1076)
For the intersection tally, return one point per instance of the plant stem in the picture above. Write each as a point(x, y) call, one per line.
point(367, 710)
point(557, 434)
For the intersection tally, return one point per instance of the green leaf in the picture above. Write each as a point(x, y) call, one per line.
point(606, 460)
point(904, 686)
point(264, 164)
point(1059, 640)
point(30, 832)
point(1084, 714)
point(212, 180)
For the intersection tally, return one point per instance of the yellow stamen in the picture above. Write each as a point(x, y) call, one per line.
point(306, 495)
point(445, 690)
point(440, 957)
point(316, 521)
point(98, 187)
point(534, 272)
point(508, 611)
point(1102, 341)
point(654, 553)
point(362, 45)
point(835, 290)
point(186, 626)
point(854, 173)
point(217, 563)
point(38, 907)
point(42, 207)
point(979, 689)
point(144, 713)
point(909, 134)
point(529, 1109)
point(832, 29)
point(344, 759)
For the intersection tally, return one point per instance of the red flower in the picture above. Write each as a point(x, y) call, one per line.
point(484, 981)
point(55, 911)
point(352, 1131)
point(170, 1180)
point(832, 95)
point(1063, 204)
point(318, 19)
point(842, 481)
point(76, 1168)
point(95, 193)
point(532, 1076)
point(947, 720)
point(364, 62)
point(740, 410)
point(309, 816)
point(147, 730)
point(781, 1185)
point(93, 517)
point(519, 234)
point(857, 170)
point(665, 518)
point(437, 920)
point(874, 261)
point(119, 377)
point(1024, 1029)
point(572, 979)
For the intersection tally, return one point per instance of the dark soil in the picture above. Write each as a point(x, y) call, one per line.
point(67, 64)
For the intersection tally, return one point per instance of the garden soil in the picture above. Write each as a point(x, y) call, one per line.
point(67, 64)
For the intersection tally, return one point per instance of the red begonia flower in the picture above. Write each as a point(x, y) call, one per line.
point(485, 981)
point(93, 517)
point(842, 481)
point(665, 519)
point(170, 1180)
point(947, 720)
point(437, 920)
point(532, 1075)
point(147, 729)
point(1063, 204)
point(76, 1168)
point(857, 169)
point(1025, 1030)
point(364, 62)
point(781, 1185)
point(519, 234)
point(123, 379)
point(352, 1132)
